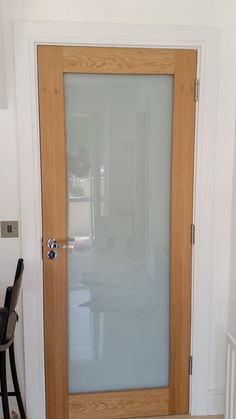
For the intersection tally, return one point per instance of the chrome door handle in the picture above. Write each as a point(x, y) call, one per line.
point(52, 244)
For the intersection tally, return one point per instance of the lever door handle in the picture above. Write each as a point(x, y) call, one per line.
point(52, 244)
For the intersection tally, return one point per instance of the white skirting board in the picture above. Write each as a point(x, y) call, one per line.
point(216, 402)
point(230, 405)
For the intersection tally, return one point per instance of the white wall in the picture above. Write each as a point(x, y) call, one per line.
point(182, 12)
point(9, 201)
point(232, 288)
point(2, 67)
point(222, 203)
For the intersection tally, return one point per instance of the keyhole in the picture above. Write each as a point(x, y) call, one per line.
point(51, 254)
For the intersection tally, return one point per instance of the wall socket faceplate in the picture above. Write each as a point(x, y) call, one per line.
point(9, 229)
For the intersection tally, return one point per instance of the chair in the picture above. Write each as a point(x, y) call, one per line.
point(8, 319)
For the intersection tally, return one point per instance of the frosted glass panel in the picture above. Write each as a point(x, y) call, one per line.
point(118, 143)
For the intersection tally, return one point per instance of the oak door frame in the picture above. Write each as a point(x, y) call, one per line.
point(27, 36)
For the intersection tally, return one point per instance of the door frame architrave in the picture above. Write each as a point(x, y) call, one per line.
point(27, 35)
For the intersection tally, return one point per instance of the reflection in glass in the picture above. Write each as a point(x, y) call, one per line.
point(118, 142)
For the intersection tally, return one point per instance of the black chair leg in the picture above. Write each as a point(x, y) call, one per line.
point(15, 382)
point(3, 378)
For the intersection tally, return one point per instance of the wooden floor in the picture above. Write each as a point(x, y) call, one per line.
point(184, 417)
point(15, 416)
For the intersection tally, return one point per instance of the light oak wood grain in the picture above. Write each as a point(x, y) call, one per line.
point(181, 219)
point(101, 60)
point(119, 404)
point(51, 107)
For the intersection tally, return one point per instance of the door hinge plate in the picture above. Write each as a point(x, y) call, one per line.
point(190, 365)
point(193, 234)
point(197, 90)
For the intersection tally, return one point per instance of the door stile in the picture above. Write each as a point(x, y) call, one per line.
point(181, 220)
point(51, 108)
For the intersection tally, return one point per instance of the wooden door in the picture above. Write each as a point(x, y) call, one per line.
point(53, 63)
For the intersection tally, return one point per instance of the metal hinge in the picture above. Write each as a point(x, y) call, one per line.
point(197, 90)
point(190, 365)
point(193, 234)
point(42, 248)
